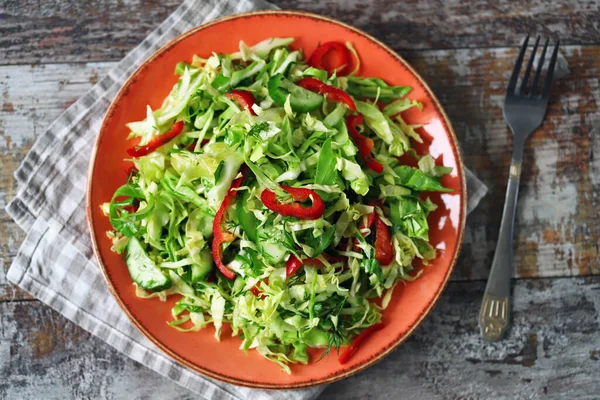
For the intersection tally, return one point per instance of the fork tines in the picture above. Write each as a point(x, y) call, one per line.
point(532, 90)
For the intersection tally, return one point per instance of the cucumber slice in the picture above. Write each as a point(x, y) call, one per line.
point(200, 271)
point(273, 250)
point(143, 270)
point(247, 219)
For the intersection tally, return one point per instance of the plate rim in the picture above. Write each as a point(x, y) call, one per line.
point(311, 382)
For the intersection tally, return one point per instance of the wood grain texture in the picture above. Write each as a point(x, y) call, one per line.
point(36, 31)
point(52, 52)
point(440, 24)
point(43, 356)
point(558, 220)
point(31, 98)
point(552, 352)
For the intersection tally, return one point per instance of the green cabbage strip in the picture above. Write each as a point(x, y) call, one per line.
point(162, 217)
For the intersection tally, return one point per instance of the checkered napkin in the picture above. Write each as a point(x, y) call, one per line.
point(55, 262)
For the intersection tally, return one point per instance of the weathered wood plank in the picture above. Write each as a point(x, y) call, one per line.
point(35, 31)
point(32, 97)
point(45, 356)
point(558, 224)
point(442, 24)
point(553, 351)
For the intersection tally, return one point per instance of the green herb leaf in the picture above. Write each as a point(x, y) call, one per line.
point(322, 242)
point(326, 174)
point(417, 180)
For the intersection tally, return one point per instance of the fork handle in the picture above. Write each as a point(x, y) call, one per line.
point(494, 317)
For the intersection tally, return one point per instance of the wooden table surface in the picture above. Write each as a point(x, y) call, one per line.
point(51, 52)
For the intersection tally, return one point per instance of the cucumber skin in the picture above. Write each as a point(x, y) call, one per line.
point(200, 271)
point(247, 220)
point(143, 270)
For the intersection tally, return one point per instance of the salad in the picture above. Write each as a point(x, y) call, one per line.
point(268, 192)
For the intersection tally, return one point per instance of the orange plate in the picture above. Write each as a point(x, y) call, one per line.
point(151, 83)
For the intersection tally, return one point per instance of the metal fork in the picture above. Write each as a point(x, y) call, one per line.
point(524, 111)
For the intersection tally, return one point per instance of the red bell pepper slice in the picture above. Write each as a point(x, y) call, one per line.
point(293, 263)
point(244, 98)
point(364, 144)
point(384, 252)
point(370, 218)
point(219, 235)
point(257, 292)
point(365, 224)
point(364, 335)
point(371, 163)
point(330, 92)
point(340, 60)
point(295, 209)
point(156, 141)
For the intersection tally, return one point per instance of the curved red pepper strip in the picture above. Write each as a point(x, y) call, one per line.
point(371, 163)
point(292, 266)
point(219, 235)
point(330, 92)
point(364, 144)
point(244, 98)
point(317, 208)
point(293, 263)
point(156, 141)
point(384, 252)
point(341, 62)
point(364, 335)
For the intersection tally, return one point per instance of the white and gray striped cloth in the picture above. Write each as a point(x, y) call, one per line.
point(55, 262)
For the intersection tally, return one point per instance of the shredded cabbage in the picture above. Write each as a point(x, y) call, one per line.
point(170, 200)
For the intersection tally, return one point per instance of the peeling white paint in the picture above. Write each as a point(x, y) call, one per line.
point(31, 97)
point(557, 204)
